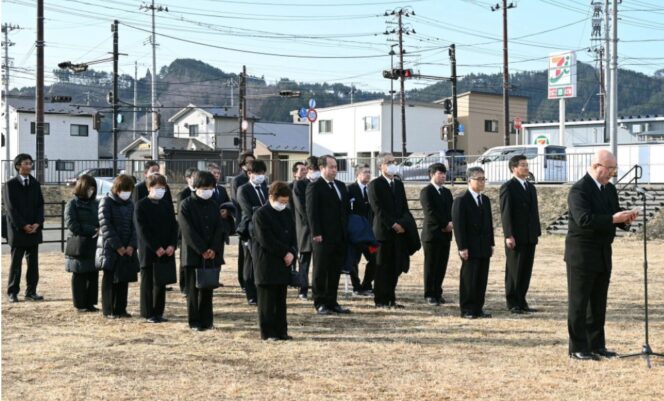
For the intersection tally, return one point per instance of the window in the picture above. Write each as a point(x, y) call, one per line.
point(325, 126)
point(555, 153)
point(490, 125)
point(342, 162)
point(371, 123)
point(193, 130)
point(47, 128)
point(78, 130)
point(63, 165)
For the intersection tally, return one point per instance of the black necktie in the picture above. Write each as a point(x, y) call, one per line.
point(479, 200)
point(364, 194)
point(440, 191)
point(601, 188)
point(25, 182)
point(334, 189)
point(525, 185)
point(260, 194)
point(392, 186)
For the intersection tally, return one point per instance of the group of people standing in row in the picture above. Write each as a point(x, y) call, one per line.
point(320, 222)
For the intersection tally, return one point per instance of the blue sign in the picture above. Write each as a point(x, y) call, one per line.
point(303, 112)
point(312, 103)
point(461, 128)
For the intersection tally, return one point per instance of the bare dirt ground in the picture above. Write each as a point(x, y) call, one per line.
point(49, 352)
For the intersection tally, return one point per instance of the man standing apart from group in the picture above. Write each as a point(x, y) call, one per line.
point(594, 214)
point(519, 213)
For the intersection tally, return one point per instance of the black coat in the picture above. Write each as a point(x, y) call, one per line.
point(519, 212)
point(301, 220)
point(326, 213)
point(274, 237)
point(116, 229)
point(249, 201)
point(141, 191)
point(437, 210)
point(239, 180)
point(591, 230)
point(220, 195)
point(202, 229)
point(182, 195)
point(156, 228)
point(473, 226)
point(24, 205)
point(359, 205)
point(388, 207)
point(81, 219)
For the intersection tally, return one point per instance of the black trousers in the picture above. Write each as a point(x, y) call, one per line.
point(240, 263)
point(304, 263)
point(586, 312)
point(472, 288)
point(153, 296)
point(272, 311)
point(199, 302)
point(328, 258)
point(518, 271)
point(388, 270)
point(248, 275)
point(85, 289)
point(436, 256)
point(369, 271)
point(182, 279)
point(113, 295)
point(31, 254)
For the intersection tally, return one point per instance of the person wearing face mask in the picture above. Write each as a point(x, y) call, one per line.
point(82, 220)
point(274, 247)
point(202, 244)
point(190, 176)
point(387, 197)
point(117, 244)
point(150, 167)
point(157, 239)
point(250, 197)
point(302, 230)
point(359, 205)
point(238, 180)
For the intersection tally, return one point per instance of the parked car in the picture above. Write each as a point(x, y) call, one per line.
point(416, 166)
point(103, 187)
point(547, 163)
point(96, 172)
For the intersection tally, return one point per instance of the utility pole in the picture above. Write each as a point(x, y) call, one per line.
point(392, 53)
point(242, 109)
point(596, 36)
point(402, 87)
point(506, 76)
point(613, 84)
point(114, 29)
point(39, 94)
point(6, 28)
point(134, 125)
point(607, 72)
point(453, 79)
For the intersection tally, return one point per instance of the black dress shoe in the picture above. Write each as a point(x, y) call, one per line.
point(441, 300)
point(152, 319)
point(34, 297)
point(195, 328)
point(110, 317)
point(517, 311)
point(124, 314)
point(285, 338)
point(302, 296)
point(340, 309)
point(82, 310)
point(395, 305)
point(272, 339)
point(162, 319)
point(252, 302)
point(605, 353)
point(92, 308)
point(432, 301)
point(362, 293)
point(584, 356)
point(529, 309)
point(13, 298)
point(382, 306)
point(468, 315)
point(484, 315)
point(323, 310)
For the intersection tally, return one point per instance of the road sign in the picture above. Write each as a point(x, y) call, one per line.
point(312, 115)
point(312, 103)
point(517, 123)
point(303, 112)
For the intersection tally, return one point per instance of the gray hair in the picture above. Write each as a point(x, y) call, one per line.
point(474, 172)
point(360, 167)
point(381, 158)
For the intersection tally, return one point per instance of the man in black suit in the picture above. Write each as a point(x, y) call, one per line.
point(359, 204)
point(594, 214)
point(436, 203)
point(327, 212)
point(302, 229)
point(521, 227)
point(219, 194)
point(24, 204)
point(387, 197)
point(189, 176)
point(141, 190)
point(251, 196)
point(238, 180)
point(473, 231)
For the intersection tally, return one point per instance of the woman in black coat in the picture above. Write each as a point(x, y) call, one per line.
point(157, 238)
point(273, 250)
point(118, 245)
point(202, 243)
point(82, 221)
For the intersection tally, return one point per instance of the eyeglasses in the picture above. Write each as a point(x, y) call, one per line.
point(480, 179)
point(610, 168)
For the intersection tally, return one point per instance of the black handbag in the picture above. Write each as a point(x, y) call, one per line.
point(164, 272)
point(126, 269)
point(78, 246)
point(295, 280)
point(207, 276)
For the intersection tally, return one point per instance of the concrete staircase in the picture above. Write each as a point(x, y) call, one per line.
point(628, 199)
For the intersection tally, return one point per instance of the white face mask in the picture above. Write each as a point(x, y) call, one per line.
point(259, 179)
point(314, 175)
point(157, 193)
point(204, 193)
point(392, 169)
point(91, 192)
point(124, 195)
point(278, 206)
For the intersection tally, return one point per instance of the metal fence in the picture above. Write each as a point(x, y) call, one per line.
point(58, 228)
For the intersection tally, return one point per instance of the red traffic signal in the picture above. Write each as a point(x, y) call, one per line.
point(407, 73)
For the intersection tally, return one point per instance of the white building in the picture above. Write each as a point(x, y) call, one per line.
point(362, 130)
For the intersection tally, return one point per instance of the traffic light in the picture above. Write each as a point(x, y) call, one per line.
point(60, 99)
point(389, 74)
point(447, 104)
point(396, 73)
point(96, 121)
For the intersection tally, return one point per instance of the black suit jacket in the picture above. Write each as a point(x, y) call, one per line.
point(301, 220)
point(141, 191)
point(24, 205)
point(239, 180)
point(155, 227)
point(388, 207)
point(274, 237)
point(437, 211)
point(473, 226)
point(220, 195)
point(519, 212)
point(249, 201)
point(326, 213)
point(590, 229)
point(358, 204)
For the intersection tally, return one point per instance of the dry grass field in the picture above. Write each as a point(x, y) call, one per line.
point(49, 352)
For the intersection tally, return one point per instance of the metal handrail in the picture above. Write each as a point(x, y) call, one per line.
point(638, 172)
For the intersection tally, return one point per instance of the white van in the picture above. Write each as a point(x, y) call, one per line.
point(547, 163)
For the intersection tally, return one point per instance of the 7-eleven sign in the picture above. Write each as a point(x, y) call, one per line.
point(562, 75)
